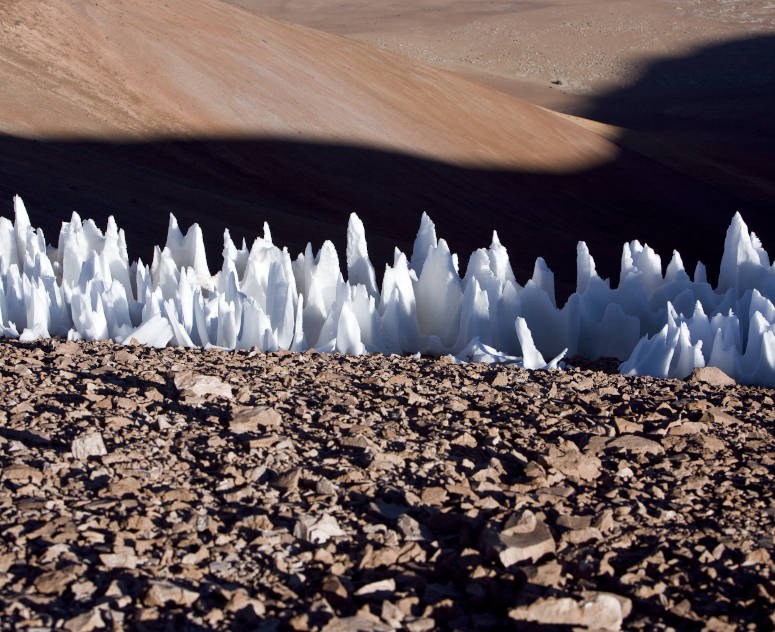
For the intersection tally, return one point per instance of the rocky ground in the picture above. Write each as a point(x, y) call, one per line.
point(174, 489)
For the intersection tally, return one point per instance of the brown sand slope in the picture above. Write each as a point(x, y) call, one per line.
point(376, 494)
point(586, 47)
point(199, 67)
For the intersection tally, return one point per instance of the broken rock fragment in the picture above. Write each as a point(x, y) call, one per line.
point(162, 593)
point(333, 587)
point(601, 612)
point(380, 589)
point(254, 419)
point(120, 559)
point(711, 375)
point(528, 539)
point(86, 445)
point(569, 461)
point(289, 481)
point(86, 622)
point(465, 439)
point(240, 601)
point(356, 624)
point(56, 581)
point(198, 385)
point(413, 531)
point(635, 444)
point(317, 530)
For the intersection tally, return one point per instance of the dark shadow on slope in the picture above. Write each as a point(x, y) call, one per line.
point(306, 190)
point(708, 115)
point(725, 87)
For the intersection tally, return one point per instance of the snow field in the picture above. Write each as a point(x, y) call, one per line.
point(659, 324)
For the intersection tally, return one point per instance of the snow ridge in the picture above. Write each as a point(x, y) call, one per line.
point(659, 324)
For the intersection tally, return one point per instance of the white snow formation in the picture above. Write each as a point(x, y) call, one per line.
point(659, 324)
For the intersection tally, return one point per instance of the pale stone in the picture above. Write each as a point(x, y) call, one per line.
point(162, 593)
point(317, 530)
point(711, 375)
point(200, 385)
point(86, 445)
point(254, 418)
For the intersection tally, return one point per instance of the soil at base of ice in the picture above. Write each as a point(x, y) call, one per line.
point(458, 496)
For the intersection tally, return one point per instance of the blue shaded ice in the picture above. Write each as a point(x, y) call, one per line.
point(660, 324)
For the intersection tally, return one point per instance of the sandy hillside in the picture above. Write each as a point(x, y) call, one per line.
point(557, 54)
point(198, 67)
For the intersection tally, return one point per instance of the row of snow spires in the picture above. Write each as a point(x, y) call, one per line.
point(188, 251)
point(262, 298)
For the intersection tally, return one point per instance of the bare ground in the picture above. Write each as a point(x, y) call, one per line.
point(322, 492)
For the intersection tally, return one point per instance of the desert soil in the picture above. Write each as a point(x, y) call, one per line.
point(189, 489)
point(558, 54)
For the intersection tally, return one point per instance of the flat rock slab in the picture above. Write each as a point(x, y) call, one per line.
point(318, 530)
point(86, 445)
point(635, 444)
point(529, 539)
point(163, 593)
point(603, 612)
point(198, 385)
point(255, 419)
point(711, 375)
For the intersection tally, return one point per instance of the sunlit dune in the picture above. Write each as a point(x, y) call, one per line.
point(203, 68)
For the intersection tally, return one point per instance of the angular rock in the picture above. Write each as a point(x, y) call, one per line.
point(413, 531)
point(548, 574)
point(85, 622)
point(332, 586)
point(574, 522)
point(254, 419)
point(317, 530)
point(56, 582)
point(434, 496)
point(198, 385)
point(86, 445)
point(381, 589)
point(289, 481)
point(164, 593)
point(20, 473)
point(83, 590)
point(420, 624)
point(465, 439)
point(757, 556)
point(682, 428)
point(248, 607)
point(635, 444)
point(324, 487)
point(711, 375)
point(356, 624)
point(120, 559)
point(573, 464)
point(602, 612)
point(501, 379)
point(528, 539)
